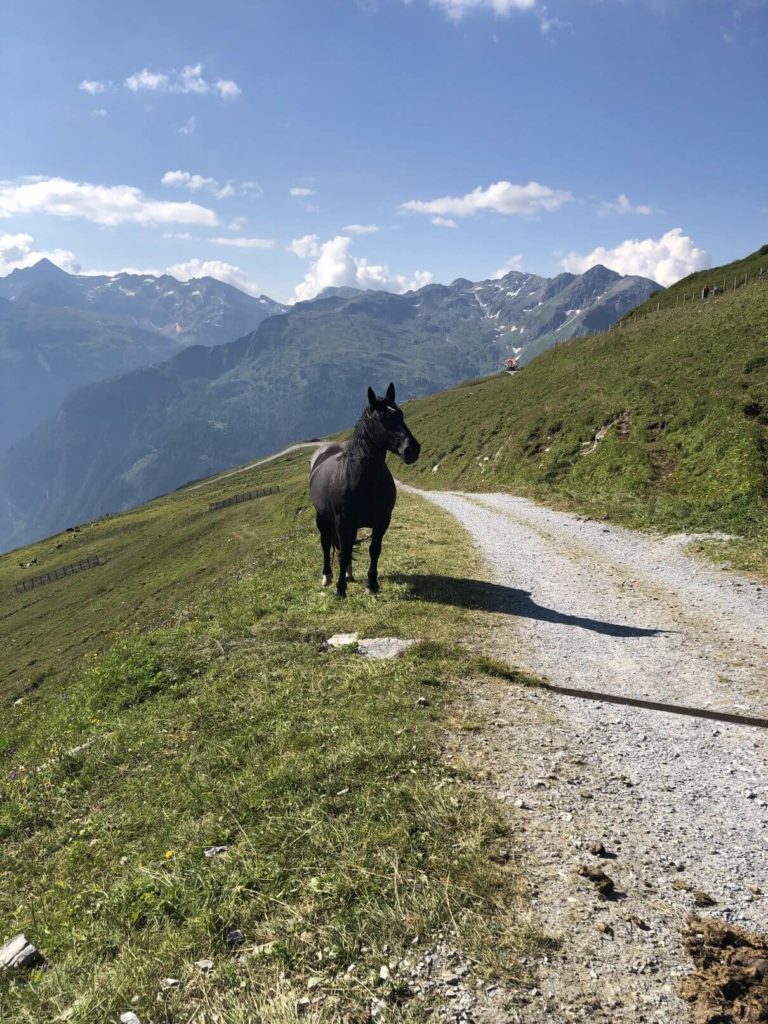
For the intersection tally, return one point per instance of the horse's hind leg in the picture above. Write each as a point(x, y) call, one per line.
point(377, 536)
point(346, 540)
point(326, 542)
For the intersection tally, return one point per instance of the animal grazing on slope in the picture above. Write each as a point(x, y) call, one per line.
point(351, 486)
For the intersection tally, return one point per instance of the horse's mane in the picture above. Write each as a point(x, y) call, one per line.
point(361, 445)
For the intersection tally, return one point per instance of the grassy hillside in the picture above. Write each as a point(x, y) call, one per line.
point(179, 697)
point(662, 423)
point(727, 278)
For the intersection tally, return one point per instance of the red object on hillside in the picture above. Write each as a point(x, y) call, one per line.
point(511, 364)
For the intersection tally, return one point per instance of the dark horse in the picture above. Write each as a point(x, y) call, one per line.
point(351, 486)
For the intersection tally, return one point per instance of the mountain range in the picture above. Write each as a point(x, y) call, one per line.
point(304, 371)
point(59, 331)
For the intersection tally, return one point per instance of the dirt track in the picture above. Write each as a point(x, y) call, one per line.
point(681, 802)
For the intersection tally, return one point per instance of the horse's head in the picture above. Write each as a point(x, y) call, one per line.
point(386, 423)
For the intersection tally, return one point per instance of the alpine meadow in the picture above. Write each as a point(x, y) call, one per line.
point(384, 512)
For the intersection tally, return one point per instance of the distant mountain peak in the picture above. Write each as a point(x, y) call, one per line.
point(44, 269)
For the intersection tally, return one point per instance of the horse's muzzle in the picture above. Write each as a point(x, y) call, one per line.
point(410, 451)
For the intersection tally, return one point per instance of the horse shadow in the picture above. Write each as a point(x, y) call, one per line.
point(493, 597)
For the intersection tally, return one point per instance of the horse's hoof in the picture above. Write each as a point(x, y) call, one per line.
point(373, 591)
point(327, 581)
point(350, 578)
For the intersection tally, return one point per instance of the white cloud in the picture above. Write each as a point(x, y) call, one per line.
point(147, 81)
point(225, 272)
point(227, 89)
point(189, 127)
point(305, 247)
point(183, 236)
point(513, 263)
point(189, 80)
point(93, 88)
point(252, 188)
point(197, 183)
point(303, 192)
point(334, 267)
point(665, 259)
point(444, 222)
point(501, 197)
point(361, 229)
point(246, 243)
point(456, 9)
point(237, 224)
point(18, 251)
point(622, 205)
point(101, 204)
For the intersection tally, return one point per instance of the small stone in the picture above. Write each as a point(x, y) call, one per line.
point(342, 640)
point(521, 804)
point(215, 851)
point(639, 922)
point(169, 983)
point(422, 702)
point(19, 952)
point(702, 899)
point(602, 882)
point(604, 929)
point(129, 1017)
point(235, 937)
point(597, 849)
point(384, 972)
point(204, 965)
point(501, 856)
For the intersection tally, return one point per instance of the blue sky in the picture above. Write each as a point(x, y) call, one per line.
point(256, 139)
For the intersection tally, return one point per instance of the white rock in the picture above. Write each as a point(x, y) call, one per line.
point(215, 851)
point(167, 983)
point(129, 1018)
point(383, 647)
point(19, 952)
point(342, 640)
point(204, 965)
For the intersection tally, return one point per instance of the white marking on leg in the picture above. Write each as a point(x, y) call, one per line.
point(327, 580)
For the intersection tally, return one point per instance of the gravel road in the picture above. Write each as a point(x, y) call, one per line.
point(680, 804)
point(253, 465)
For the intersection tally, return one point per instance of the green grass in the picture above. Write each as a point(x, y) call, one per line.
point(191, 670)
point(681, 400)
point(751, 269)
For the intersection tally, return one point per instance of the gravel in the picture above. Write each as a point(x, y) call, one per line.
point(680, 803)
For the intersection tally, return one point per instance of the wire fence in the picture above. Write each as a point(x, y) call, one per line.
point(56, 574)
point(706, 293)
point(261, 492)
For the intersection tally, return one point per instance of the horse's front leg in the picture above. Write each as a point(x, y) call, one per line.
point(346, 542)
point(377, 535)
point(326, 543)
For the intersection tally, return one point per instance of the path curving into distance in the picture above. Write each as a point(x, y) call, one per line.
point(253, 465)
point(682, 801)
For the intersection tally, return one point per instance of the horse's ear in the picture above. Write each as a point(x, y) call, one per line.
point(371, 397)
point(391, 393)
